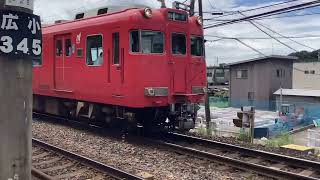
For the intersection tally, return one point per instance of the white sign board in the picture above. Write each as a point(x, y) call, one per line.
point(20, 3)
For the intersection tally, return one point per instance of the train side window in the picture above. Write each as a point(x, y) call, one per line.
point(68, 47)
point(79, 52)
point(152, 42)
point(116, 48)
point(94, 50)
point(134, 41)
point(197, 46)
point(178, 43)
point(58, 47)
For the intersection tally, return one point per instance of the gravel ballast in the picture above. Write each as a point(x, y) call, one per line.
point(134, 158)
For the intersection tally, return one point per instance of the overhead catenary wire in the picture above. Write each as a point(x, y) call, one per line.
point(253, 9)
point(269, 13)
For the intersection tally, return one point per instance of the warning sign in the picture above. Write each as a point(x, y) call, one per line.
point(20, 3)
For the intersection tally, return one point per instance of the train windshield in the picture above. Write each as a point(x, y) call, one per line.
point(147, 41)
point(197, 46)
point(178, 42)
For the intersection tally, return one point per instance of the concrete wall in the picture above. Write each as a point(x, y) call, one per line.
point(262, 80)
point(306, 81)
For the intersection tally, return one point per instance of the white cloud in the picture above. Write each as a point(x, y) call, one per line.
point(225, 50)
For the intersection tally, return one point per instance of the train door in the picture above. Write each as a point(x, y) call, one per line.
point(63, 67)
point(117, 63)
point(179, 56)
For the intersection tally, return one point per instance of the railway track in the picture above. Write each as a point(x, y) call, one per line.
point(52, 163)
point(264, 163)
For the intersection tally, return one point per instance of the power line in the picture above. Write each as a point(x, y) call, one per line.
point(254, 49)
point(264, 18)
point(253, 23)
point(270, 13)
point(253, 9)
point(264, 38)
point(301, 44)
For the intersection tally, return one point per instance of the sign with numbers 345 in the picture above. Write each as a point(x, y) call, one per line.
point(20, 3)
point(20, 34)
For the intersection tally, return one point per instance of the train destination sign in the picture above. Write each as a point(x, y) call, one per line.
point(20, 3)
point(20, 34)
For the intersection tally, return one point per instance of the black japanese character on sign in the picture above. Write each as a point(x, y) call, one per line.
point(20, 34)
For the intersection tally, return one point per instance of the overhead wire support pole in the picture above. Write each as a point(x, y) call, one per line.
point(20, 43)
point(207, 97)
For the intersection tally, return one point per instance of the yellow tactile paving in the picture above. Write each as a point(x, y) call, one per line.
point(297, 147)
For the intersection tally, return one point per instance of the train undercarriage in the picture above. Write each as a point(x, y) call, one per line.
point(179, 117)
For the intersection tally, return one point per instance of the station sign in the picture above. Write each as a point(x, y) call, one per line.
point(28, 4)
point(20, 34)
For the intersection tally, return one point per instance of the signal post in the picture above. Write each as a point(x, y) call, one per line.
point(20, 43)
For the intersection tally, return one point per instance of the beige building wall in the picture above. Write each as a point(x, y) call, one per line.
point(306, 76)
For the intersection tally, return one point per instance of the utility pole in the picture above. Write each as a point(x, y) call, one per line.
point(207, 97)
point(20, 43)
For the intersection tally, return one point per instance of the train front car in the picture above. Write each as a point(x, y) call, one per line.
point(168, 44)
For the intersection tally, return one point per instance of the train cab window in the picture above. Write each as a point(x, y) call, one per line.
point(197, 46)
point(58, 47)
point(68, 47)
point(152, 42)
point(178, 43)
point(177, 16)
point(94, 50)
point(134, 41)
point(116, 48)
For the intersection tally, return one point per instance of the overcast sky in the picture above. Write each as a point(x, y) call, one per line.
point(226, 50)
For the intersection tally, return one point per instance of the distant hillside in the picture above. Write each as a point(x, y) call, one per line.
point(305, 56)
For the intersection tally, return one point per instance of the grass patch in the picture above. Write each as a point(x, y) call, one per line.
point(281, 140)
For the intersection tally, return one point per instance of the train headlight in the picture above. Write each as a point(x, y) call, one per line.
point(148, 13)
point(200, 20)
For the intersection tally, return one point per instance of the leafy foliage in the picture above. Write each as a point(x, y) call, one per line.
point(305, 56)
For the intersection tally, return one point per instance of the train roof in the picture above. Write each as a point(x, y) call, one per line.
point(100, 19)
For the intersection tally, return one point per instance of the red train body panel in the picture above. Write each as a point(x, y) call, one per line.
point(124, 78)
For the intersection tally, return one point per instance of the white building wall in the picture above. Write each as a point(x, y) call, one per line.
point(303, 77)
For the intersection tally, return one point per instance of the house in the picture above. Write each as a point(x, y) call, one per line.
point(299, 101)
point(253, 82)
point(218, 76)
point(306, 75)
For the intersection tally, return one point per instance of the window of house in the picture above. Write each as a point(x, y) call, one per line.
point(79, 52)
point(280, 73)
point(37, 62)
point(152, 42)
point(250, 96)
point(134, 41)
point(116, 48)
point(197, 46)
point(58, 47)
point(313, 72)
point(209, 74)
point(242, 74)
point(94, 50)
point(68, 47)
point(178, 42)
point(306, 72)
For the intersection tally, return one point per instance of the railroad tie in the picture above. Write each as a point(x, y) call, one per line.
point(57, 167)
point(307, 172)
point(278, 166)
point(51, 161)
point(71, 175)
point(40, 155)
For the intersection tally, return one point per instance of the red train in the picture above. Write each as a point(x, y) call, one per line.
point(141, 66)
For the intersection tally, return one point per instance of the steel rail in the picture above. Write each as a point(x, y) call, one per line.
point(111, 171)
point(268, 171)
